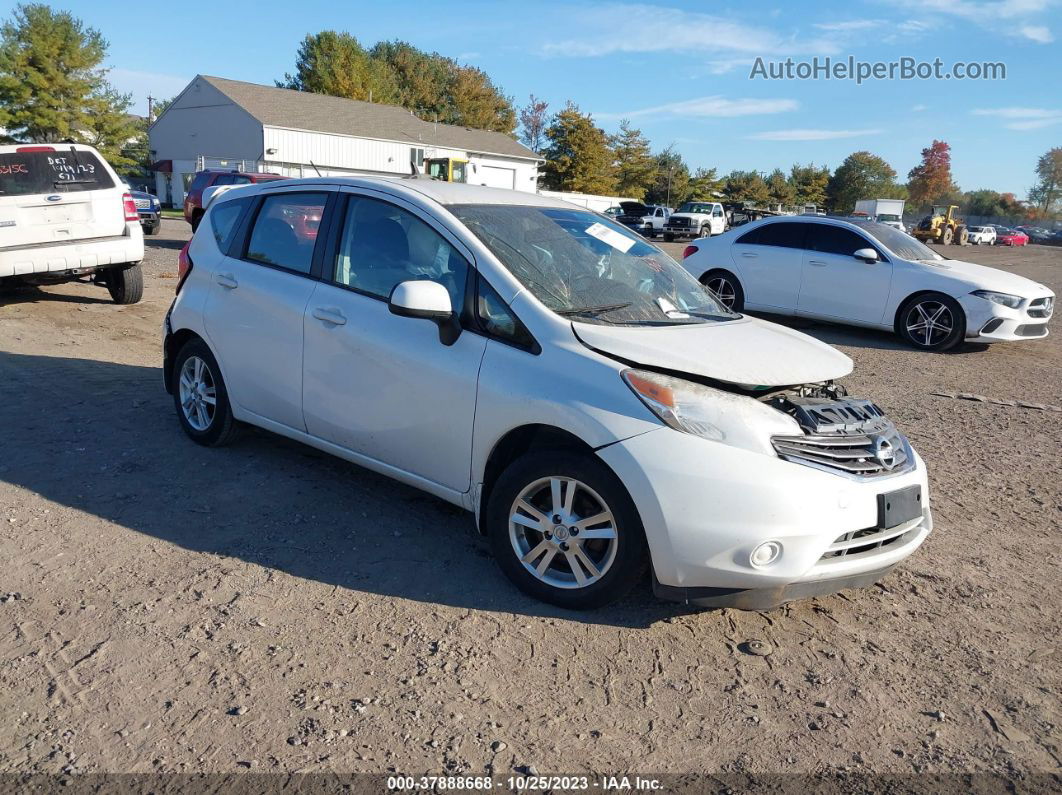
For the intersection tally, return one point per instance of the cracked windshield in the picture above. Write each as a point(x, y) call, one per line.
point(583, 266)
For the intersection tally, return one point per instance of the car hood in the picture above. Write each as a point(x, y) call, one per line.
point(746, 352)
point(690, 215)
point(981, 277)
point(139, 194)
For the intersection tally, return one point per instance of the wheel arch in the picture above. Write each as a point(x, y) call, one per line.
point(519, 441)
point(918, 294)
point(174, 342)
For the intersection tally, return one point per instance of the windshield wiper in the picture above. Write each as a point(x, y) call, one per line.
point(591, 310)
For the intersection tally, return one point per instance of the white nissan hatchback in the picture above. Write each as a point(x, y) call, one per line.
point(548, 369)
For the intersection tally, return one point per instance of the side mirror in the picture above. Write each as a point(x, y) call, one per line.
point(429, 301)
point(868, 255)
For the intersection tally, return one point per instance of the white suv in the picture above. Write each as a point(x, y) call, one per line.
point(65, 215)
point(548, 369)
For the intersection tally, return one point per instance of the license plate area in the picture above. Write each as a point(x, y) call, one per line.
point(897, 507)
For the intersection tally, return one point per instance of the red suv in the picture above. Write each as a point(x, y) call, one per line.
point(193, 200)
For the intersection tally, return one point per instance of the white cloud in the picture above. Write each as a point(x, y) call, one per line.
point(855, 24)
point(1023, 119)
point(709, 107)
point(602, 30)
point(810, 135)
point(1038, 33)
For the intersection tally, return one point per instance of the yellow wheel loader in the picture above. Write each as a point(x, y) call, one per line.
point(447, 169)
point(943, 226)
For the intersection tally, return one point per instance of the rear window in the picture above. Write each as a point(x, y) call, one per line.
point(61, 171)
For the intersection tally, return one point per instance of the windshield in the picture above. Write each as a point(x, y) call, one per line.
point(584, 266)
point(60, 171)
point(887, 217)
point(899, 243)
point(695, 207)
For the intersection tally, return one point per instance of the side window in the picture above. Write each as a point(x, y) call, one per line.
point(285, 230)
point(783, 234)
point(223, 218)
point(497, 319)
point(829, 239)
point(382, 245)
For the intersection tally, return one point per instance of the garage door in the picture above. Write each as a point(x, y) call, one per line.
point(495, 177)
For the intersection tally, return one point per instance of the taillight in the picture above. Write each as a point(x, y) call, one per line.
point(184, 266)
point(689, 250)
point(35, 149)
point(130, 208)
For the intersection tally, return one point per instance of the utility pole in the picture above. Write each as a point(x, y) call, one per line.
point(669, 170)
point(151, 100)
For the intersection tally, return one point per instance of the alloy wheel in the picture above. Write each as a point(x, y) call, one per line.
point(929, 323)
point(198, 393)
point(723, 290)
point(563, 532)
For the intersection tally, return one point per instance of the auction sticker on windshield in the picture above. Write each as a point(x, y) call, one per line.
point(621, 243)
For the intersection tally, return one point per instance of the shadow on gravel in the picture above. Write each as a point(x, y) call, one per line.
point(157, 241)
point(31, 294)
point(857, 337)
point(102, 438)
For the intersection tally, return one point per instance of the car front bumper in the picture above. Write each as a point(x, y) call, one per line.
point(149, 218)
point(706, 506)
point(81, 256)
point(987, 321)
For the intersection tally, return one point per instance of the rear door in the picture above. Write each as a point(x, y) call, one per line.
point(53, 195)
point(254, 314)
point(768, 260)
point(836, 284)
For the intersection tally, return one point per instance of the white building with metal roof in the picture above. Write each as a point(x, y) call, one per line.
point(228, 124)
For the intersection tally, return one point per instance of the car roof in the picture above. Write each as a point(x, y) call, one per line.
point(61, 147)
point(442, 192)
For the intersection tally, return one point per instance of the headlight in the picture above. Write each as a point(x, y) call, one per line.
point(1005, 299)
point(711, 413)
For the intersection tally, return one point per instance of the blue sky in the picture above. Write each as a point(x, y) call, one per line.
point(679, 71)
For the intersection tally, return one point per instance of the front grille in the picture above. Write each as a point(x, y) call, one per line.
point(143, 204)
point(1032, 330)
point(848, 435)
point(678, 222)
point(872, 540)
point(1041, 307)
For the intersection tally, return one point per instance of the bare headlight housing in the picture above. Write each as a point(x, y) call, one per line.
point(711, 413)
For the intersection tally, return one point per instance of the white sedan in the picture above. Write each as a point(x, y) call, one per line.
point(867, 274)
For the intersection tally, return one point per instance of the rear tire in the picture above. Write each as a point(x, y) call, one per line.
point(947, 236)
point(931, 322)
point(197, 380)
point(195, 221)
point(726, 287)
point(126, 285)
point(541, 556)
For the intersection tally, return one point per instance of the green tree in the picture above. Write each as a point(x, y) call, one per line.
point(779, 189)
point(930, 181)
point(335, 63)
point(862, 175)
point(809, 183)
point(704, 185)
point(672, 183)
point(1046, 192)
point(747, 186)
point(983, 202)
point(478, 103)
point(578, 157)
point(533, 122)
point(423, 80)
point(53, 86)
point(635, 166)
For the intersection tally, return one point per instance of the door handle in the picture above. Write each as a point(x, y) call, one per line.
point(749, 254)
point(818, 263)
point(329, 315)
point(227, 281)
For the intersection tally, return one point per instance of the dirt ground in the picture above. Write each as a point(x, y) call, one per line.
point(165, 607)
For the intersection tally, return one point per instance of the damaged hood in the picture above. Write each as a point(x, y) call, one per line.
point(747, 351)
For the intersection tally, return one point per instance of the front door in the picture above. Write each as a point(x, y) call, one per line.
point(383, 385)
point(836, 284)
point(255, 310)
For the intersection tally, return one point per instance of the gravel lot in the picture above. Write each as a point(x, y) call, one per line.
point(169, 608)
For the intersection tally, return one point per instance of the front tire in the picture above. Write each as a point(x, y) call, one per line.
point(126, 285)
point(706, 230)
point(726, 288)
point(931, 322)
point(668, 237)
point(564, 530)
point(200, 396)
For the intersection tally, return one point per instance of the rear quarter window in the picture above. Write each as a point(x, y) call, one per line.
point(61, 171)
point(224, 220)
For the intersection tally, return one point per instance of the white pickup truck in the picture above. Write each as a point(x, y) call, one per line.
point(696, 219)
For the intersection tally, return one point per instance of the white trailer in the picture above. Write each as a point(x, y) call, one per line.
point(884, 211)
